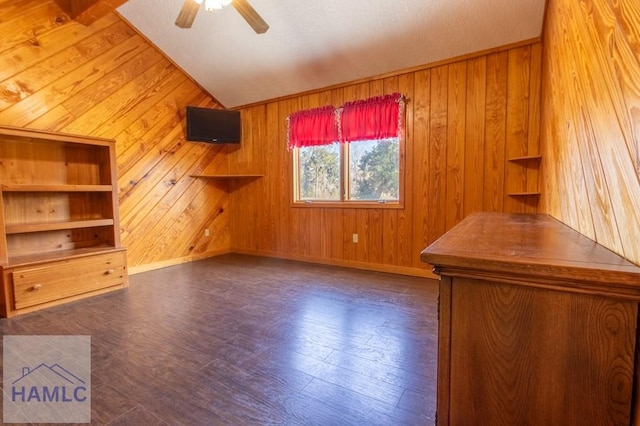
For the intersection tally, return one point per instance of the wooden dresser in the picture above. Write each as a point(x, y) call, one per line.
point(538, 325)
point(59, 219)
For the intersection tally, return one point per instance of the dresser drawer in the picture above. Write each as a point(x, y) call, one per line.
point(33, 285)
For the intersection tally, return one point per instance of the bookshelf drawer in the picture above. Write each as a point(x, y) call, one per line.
point(47, 282)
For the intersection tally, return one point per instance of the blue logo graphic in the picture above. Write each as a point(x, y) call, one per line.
point(48, 384)
point(46, 379)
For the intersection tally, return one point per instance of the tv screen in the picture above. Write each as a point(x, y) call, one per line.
point(213, 125)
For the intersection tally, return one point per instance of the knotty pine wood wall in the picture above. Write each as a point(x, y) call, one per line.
point(106, 80)
point(464, 121)
point(591, 120)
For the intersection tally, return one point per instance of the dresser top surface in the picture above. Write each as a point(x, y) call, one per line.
point(538, 244)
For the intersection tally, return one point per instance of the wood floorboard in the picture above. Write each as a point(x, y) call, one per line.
point(245, 340)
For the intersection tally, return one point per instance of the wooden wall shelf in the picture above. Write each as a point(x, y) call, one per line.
point(525, 158)
point(528, 164)
point(523, 194)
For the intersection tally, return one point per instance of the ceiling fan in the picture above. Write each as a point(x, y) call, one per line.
point(190, 9)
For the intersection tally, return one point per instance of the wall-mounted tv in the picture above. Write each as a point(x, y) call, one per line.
point(213, 125)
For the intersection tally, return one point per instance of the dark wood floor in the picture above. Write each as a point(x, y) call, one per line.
point(244, 340)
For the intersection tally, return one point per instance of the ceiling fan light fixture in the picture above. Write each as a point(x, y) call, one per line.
point(190, 8)
point(210, 5)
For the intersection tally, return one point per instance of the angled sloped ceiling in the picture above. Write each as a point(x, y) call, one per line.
point(315, 44)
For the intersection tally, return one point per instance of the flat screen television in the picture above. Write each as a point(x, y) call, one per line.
point(213, 125)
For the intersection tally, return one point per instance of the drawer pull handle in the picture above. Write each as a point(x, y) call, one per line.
point(36, 287)
point(109, 272)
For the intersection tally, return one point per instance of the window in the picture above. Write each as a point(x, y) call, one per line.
point(319, 173)
point(358, 171)
point(350, 154)
point(374, 170)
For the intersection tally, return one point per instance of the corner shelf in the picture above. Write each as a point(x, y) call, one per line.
point(524, 161)
point(523, 194)
point(525, 158)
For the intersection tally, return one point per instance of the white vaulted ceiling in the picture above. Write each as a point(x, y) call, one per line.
point(318, 43)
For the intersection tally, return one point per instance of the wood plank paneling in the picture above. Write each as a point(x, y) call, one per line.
point(388, 239)
point(404, 234)
point(437, 166)
point(55, 33)
point(517, 126)
point(475, 135)
point(29, 108)
point(590, 111)
point(533, 127)
point(421, 152)
point(456, 133)
point(105, 80)
point(54, 68)
point(495, 131)
point(463, 119)
point(273, 154)
point(88, 11)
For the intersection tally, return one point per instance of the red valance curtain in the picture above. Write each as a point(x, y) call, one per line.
point(312, 128)
point(374, 118)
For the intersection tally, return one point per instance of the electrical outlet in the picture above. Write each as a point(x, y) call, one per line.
point(206, 232)
point(355, 238)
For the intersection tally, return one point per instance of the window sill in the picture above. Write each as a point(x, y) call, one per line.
point(397, 205)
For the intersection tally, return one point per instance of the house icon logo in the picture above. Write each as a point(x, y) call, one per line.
point(46, 379)
point(46, 383)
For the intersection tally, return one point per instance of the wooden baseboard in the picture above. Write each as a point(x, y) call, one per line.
point(391, 269)
point(186, 259)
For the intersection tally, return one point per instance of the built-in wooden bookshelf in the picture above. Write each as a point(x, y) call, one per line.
point(59, 219)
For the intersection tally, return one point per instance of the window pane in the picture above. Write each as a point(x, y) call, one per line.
point(320, 172)
point(374, 170)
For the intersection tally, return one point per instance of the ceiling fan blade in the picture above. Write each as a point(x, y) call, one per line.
point(187, 14)
point(251, 16)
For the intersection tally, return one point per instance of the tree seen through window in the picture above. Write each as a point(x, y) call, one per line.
point(320, 172)
point(371, 171)
point(374, 170)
